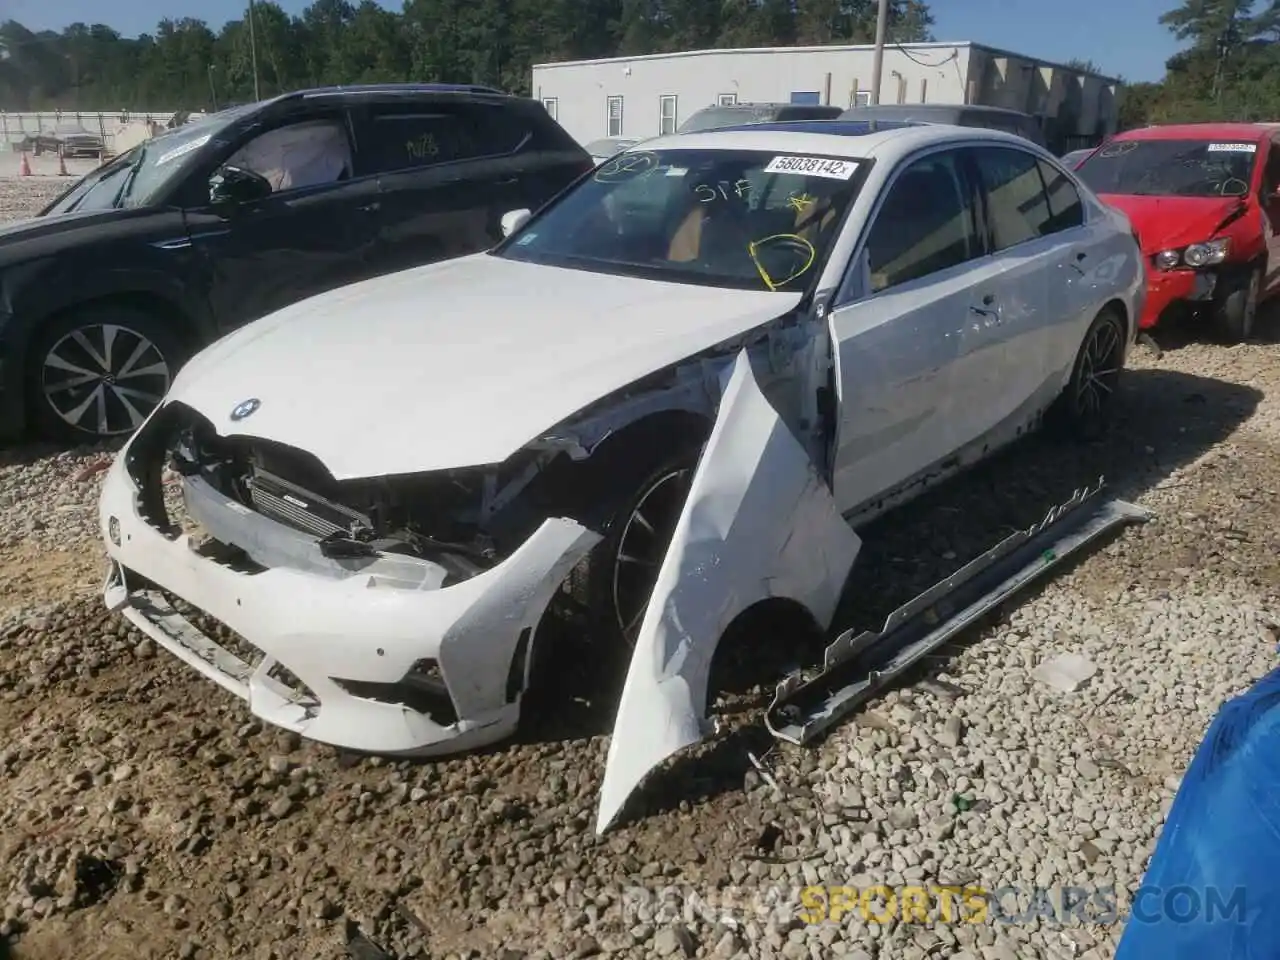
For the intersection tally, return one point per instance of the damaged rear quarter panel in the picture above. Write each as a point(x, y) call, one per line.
point(759, 523)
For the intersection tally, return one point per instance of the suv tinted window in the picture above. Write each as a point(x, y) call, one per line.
point(808, 113)
point(408, 136)
point(1016, 203)
point(1066, 210)
point(925, 224)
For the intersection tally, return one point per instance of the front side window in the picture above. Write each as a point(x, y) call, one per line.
point(1066, 209)
point(1016, 203)
point(745, 219)
point(925, 225)
point(303, 154)
point(1171, 168)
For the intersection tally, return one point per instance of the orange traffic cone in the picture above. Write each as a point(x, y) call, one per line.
point(62, 164)
point(25, 169)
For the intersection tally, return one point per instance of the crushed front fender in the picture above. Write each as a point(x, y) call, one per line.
point(759, 523)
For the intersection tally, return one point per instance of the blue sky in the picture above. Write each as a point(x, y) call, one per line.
point(1121, 36)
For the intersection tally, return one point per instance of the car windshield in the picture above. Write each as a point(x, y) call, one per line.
point(135, 178)
point(751, 220)
point(608, 146)
point(714, 118)
point(1171, 168)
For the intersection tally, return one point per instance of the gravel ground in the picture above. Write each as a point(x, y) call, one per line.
point(143, 813)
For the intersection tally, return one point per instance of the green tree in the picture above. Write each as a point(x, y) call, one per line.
point(185, 64)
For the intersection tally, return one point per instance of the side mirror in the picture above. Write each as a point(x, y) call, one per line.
point(513, 220)
point(232, 186)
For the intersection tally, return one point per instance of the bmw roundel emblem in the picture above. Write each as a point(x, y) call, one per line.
point(245, 408)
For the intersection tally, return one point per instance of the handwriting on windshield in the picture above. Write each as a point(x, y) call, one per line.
point(626, 166)
point(800, 202)
point(722, 190)
point(1118, 149)
point(805, 253)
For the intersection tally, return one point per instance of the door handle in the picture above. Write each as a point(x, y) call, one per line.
point(372, 206)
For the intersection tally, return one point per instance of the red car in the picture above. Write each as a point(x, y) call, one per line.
point(1204, 200)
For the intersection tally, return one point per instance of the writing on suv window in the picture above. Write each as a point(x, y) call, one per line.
point(748, 219)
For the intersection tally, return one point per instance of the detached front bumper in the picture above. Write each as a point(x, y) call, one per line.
point(355, 642)
point(1167, 289)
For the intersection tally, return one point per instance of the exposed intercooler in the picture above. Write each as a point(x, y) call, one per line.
point(277, 498)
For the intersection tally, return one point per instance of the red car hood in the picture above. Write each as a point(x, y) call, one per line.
point(1166, 223)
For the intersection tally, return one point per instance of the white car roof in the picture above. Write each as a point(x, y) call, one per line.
point(886, 145)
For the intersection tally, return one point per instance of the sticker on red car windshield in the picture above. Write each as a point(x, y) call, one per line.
point(813, 167)
point(1233, 148)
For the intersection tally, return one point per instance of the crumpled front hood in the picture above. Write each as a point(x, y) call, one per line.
point(454, 364)
point(1167, 223)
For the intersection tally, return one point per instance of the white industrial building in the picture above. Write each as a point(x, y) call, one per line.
point(650, 95)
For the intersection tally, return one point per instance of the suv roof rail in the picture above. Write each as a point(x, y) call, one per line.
point(835, 127)
point(406, 88)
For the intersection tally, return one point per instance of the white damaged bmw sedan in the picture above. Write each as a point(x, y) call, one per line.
point(675, 392)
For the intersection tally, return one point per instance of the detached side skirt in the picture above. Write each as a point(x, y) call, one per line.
point(856, 666)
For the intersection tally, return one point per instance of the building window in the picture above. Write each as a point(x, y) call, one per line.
point(667, 114)
point(614, 117)
point(727, 100)
point(552, 106)
point(862, 98)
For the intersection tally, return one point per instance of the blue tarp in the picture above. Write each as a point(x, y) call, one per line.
point(1212, 890)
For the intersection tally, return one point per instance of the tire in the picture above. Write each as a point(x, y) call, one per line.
point(596, 650)
point(1083, 410)
point(77, 363)
point(1235, 305)
point(641, 491)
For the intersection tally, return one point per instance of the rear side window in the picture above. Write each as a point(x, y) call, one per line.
point(413, 136)
point(1066, 210)
point(925, 225)
point(1017, 206)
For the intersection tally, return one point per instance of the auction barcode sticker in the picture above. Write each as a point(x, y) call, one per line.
point(813, 167)
point(1233, 148)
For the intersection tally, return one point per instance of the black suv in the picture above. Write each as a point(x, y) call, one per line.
point(215, 223)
